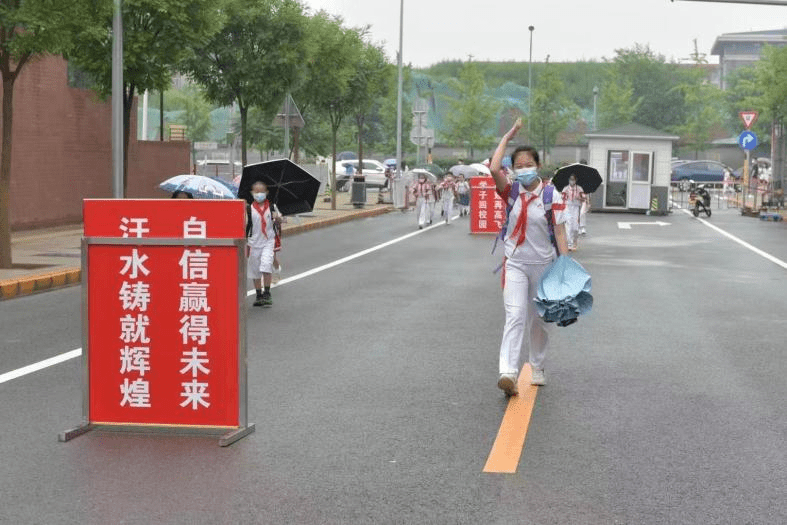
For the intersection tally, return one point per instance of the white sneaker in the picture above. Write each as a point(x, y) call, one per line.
point(538, 377)
point(507, 383)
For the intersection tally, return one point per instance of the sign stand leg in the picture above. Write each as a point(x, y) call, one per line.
point(68, 435)
point(230, 438)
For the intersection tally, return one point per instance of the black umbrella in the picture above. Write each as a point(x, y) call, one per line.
point(291, 188)
point(587, 177)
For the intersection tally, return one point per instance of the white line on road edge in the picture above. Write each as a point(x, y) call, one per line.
point(35, 367)
point(739, 241)
point(46, 363)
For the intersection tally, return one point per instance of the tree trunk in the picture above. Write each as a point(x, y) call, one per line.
point(333, 169)
point(5, 172)
point(359, 120)
point(244, 111)
point(296, 134)
point(128, 101)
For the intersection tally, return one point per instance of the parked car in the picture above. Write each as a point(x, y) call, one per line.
point(699, 171)
point(373, 171)
point(763, 169)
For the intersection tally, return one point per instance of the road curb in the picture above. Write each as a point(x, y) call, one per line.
point(52, 280)
point(27, 285)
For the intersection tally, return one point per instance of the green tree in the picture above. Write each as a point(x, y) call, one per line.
point(254, 59)
point(194, 113)
point(28, 30)
point(552, 110)
point(368, 84)
point(472, 113)
point(703, 112)
point(652, 80)
point(333, 52)
point(616, 104)
point(157, 36)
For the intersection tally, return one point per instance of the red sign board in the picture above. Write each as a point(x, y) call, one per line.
point(487, 209)
point(748, 118)
point(163, 316)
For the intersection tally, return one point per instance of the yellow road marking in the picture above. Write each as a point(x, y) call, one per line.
point(510, 440)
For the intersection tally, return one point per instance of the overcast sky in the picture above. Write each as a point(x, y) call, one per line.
point(566, 30)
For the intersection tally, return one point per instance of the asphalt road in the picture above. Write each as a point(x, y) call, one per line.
point(373, 388)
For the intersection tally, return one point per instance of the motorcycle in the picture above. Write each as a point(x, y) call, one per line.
point(700, 198)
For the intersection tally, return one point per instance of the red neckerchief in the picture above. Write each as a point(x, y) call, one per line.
point(521, 224)
point(261, 210)
point(422, 188)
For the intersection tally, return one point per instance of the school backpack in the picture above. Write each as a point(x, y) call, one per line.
point(546, 197)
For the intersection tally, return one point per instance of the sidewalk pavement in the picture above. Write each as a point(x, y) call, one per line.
point(51, 258)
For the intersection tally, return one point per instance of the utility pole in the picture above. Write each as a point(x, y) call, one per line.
point(530, 84)
point(399, 96)
point(118, 189)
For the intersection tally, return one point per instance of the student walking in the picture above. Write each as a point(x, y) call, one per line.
point(533, 235)
point(574, 197)
point(263, 230)
point(424, 195)
point(463, 195)
point(447, 196)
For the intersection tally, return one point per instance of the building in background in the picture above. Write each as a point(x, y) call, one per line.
point(737, 50)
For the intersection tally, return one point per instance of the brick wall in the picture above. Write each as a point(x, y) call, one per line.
point(62, 151)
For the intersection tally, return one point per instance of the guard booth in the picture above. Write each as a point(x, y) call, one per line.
point(634, 163)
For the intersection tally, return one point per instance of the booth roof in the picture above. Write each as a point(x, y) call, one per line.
point(632, 131)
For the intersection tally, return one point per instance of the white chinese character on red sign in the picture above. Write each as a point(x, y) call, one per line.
point(194, 264)
point(482, 205)
point(137, 228)
point(135, 394)
point(194, 297)
point(195, 327)
point(135, 296)
point(498, 204)
point(134, 263)
point(482, 224)
point(194, 394)
point(194, 229)
point(134, 359)
point(133, 329)
point(194, 361)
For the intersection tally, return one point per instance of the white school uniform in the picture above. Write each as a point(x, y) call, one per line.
point(573, 197)
point(263, 242)
point(522, 270)
point(424, 202)
point(447, 199)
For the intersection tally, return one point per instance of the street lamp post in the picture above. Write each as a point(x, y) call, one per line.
point(595, 108)
point(399, 96)
point(118, 189)
point(530, 84)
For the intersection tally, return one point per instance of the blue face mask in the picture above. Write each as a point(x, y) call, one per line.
point(526, 176)
point(259, 197)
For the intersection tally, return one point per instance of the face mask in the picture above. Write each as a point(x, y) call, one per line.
point(572, 182)
point(259, 197)
point(526, 176)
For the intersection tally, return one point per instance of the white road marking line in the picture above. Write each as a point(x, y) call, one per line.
point(35, 367)
point(743, 243)
point(61, 358)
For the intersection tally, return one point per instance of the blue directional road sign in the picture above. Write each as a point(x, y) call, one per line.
point(747, 140)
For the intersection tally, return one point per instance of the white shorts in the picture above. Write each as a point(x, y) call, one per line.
point(260, 260)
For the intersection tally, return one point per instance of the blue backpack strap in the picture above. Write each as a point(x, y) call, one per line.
point(546, 198)
point(513, 195)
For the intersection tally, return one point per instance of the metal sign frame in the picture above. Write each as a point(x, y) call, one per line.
point(229, 434)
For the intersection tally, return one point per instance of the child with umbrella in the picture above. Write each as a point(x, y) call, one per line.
point(448, 195)
point(263, 229)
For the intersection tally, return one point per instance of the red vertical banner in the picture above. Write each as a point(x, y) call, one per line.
point(487, 209)
point(163, 327)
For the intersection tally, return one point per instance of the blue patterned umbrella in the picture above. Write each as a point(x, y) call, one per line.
point(564, 292)
point(198, 186)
